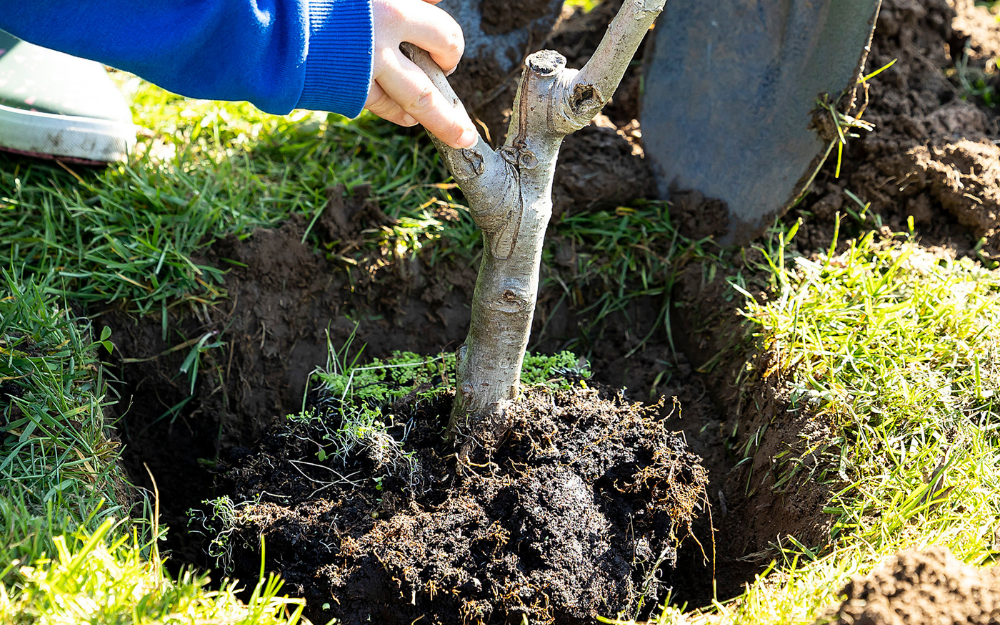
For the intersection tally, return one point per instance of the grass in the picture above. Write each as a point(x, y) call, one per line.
point(57, 454)
point(623, 257)
point(892, 352)
point(131, 234)
point(93, 578)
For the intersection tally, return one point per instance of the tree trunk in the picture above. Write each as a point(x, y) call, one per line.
point(510, 197)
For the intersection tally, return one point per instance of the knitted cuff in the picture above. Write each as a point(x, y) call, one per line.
point(339, 56)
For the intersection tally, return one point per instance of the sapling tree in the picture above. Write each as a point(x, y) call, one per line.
point(509, 192)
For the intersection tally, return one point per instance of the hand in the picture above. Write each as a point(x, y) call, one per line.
point(400, 91)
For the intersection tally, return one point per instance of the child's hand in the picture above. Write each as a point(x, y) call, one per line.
point(400, 91)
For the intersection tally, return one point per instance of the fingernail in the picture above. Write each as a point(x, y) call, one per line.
point(468, 139)
point(409, 120)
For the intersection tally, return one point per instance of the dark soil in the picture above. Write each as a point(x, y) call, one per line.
point(566, 520)
point(916, 587)
point(934, 154)
point(503, 17)
point(600, 166)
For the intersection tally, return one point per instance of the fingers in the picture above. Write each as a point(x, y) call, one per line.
point(412, 90)
point(432, 29)
point(386, 108)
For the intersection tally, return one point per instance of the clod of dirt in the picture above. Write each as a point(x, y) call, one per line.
point(567, 519)
point(935, 152)
point(697, 216)
point(599, 167)
point(918, 587)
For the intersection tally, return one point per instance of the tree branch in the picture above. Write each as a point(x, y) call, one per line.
point(479, 171)
point(589, 90)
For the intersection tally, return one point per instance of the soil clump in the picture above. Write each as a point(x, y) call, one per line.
point(934, 154)
point(570, 516)
point(915, 587)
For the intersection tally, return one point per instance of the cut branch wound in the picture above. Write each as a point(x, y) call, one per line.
point(509, 192)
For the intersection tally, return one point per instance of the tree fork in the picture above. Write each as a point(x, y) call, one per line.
point(510, 198)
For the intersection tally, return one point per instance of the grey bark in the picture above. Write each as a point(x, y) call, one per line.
point(510, 197)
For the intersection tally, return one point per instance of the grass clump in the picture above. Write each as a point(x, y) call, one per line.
point(58, 456)
point(894, 350)
point(93, 578)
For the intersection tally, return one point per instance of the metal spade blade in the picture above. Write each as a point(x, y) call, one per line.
point(729, 92)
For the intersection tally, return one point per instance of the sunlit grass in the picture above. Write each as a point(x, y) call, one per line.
point(63, 556)
point(893, 350)
point(92, 578)
point(132, 233)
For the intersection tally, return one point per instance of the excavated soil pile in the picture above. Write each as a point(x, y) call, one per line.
point(919, 587)
point(569, 518)
point(934, 154)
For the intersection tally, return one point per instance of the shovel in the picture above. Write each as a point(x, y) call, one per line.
point(729, 93)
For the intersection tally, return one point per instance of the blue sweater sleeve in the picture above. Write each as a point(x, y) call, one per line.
point(277, 54)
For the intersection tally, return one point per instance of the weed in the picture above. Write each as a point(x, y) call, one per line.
point(973, 81)
point(219, 522)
